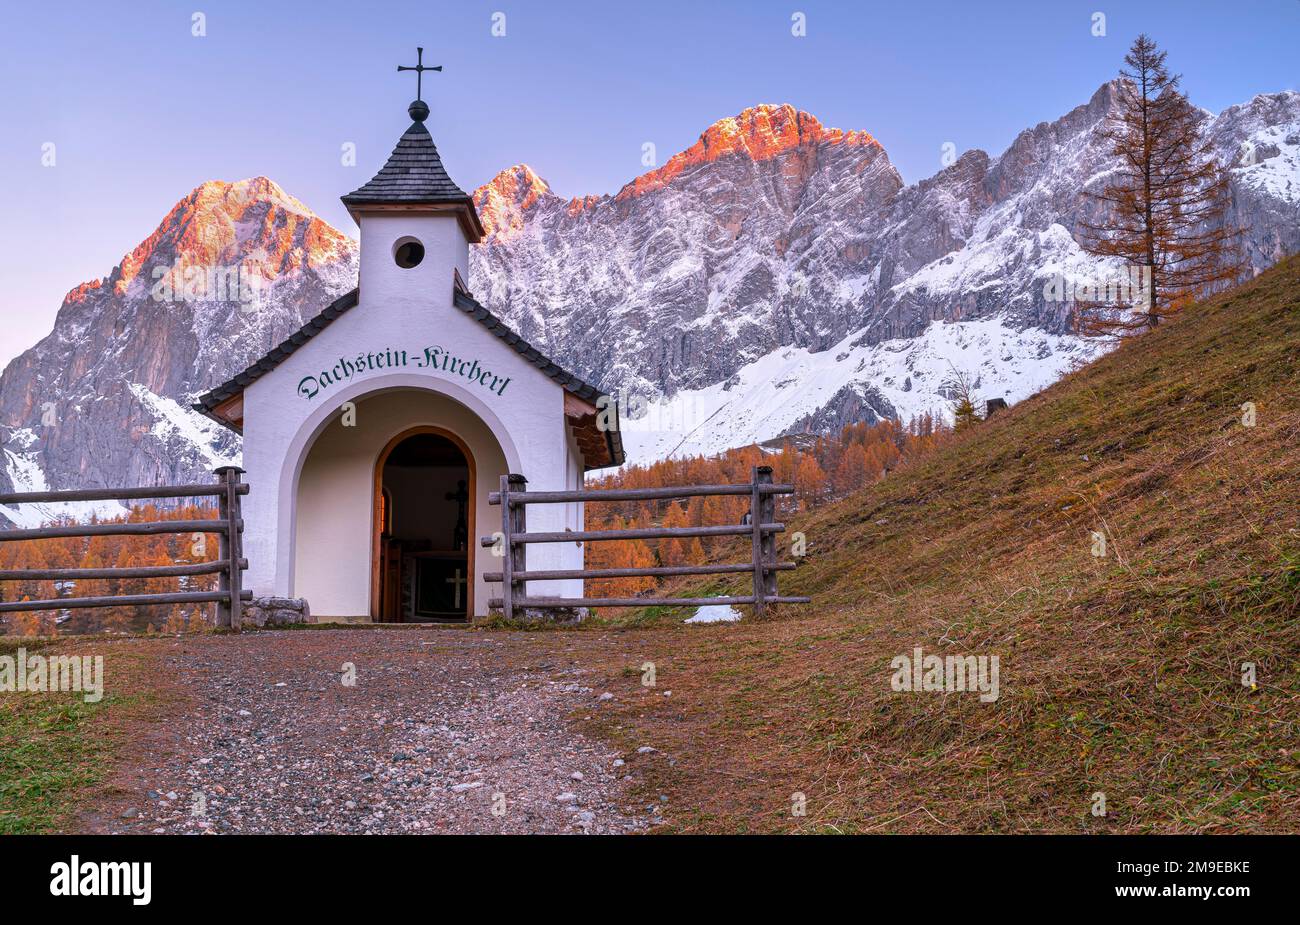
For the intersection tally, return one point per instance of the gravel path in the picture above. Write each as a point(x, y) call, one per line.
point(442, 731)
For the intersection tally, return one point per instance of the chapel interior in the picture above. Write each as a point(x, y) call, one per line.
point(424, 531)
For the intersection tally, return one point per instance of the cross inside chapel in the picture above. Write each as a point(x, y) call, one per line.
point(419, 69)
point(457, 582)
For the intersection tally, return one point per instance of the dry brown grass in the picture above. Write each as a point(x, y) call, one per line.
point(1120, 675)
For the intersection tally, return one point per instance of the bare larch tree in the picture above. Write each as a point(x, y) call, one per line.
point(1164, 206)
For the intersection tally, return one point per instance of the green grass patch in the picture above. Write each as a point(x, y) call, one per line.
point(47, 754)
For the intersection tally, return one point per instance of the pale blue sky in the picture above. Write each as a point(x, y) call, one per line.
point(141, 111)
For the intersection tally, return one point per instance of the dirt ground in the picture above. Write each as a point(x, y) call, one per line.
point(360, 730)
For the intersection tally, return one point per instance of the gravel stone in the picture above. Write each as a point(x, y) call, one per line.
point(439, 731)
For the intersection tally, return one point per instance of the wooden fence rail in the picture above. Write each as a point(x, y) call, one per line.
point(228, 566)
point(762, 527)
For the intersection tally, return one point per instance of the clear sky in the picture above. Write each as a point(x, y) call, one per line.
point(141, 111)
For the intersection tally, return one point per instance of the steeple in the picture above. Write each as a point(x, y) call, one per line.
point(414, 180)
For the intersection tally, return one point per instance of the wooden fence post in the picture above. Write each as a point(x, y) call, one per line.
point(758, 475)
point(767, 511)
point(513, 522)
point(231, 580)
point(507, 560)
point(518, 527)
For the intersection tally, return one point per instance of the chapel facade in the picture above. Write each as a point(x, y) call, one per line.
point(373, 434)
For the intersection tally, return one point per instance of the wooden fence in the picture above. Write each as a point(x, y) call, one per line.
point(228, 566)
point(762, 528)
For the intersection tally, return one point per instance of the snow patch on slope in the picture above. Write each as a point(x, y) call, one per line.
point(772, 395)
point(182, 431)
point(715, 613)
point(1274, 174)
point(172, 421)
point(25, 474)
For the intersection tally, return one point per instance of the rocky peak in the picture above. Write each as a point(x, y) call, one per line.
point(252, 223)
point(776, 275)
point(503, 201)
point(778, 265)
point(1262, 126)
point(126, 354)
point(760, 133)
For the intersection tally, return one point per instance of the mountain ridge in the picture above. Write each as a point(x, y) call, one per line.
point(741, 298)
point(104, 398)
point(848, 266)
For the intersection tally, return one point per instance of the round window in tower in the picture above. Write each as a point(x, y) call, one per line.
point(408, 253)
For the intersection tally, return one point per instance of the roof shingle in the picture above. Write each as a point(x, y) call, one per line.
point(414, 173)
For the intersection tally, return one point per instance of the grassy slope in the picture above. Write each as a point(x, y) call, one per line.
point(55, 748)
point(1119, 675)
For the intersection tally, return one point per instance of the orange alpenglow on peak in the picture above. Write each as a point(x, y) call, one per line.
point(503, 200)
point(233, 198)
point(760, 132)
point(578, 203)
point(210, 227)
point(79, 293)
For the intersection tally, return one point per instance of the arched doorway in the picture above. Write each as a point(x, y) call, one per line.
point(422, 549)
point(327, 542)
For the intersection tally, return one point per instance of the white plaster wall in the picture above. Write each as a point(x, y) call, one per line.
point(571, 555)
point(408, 309)
point(445, 248)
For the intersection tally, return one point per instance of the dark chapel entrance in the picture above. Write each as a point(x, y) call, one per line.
point(424, 518)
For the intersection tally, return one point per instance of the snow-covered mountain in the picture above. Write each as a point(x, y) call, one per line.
point(775, 277)
point(105, 398)
point(779, 276)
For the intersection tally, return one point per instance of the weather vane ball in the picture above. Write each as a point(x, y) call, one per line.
point(419, 110)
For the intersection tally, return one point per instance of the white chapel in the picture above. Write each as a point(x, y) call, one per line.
point(373, 434)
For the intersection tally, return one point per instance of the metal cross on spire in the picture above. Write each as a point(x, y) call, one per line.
point(419, 69)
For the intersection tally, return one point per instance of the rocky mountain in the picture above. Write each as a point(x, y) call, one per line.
point(775, 277)
point(105, 398)
point(779, 276)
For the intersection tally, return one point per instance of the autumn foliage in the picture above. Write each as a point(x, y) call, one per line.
point(111, 552)
point(1165, 205)
point(822, 469)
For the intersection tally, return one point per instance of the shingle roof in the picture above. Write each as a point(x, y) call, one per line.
point(570, 382)
point(414, 173)
point(208, 402)
point(414, 178)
